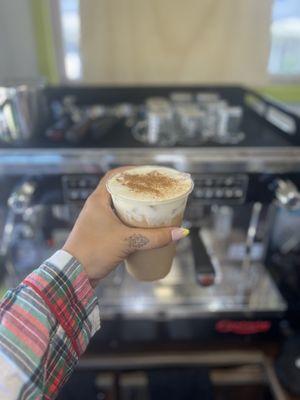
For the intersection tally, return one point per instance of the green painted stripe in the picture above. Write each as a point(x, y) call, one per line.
point(286, 93)
point(41, 17)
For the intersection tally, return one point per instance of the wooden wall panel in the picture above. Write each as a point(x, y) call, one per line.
point(175, 41)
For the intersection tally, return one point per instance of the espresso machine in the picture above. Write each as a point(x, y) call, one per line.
point(235, 277)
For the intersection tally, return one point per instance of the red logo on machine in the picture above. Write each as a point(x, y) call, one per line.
point(242, 327)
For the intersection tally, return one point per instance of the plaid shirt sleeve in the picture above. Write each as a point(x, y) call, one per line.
point(46, 324)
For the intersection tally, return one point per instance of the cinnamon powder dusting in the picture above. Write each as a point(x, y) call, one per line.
point(153, 183)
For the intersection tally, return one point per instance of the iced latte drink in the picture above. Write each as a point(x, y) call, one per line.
point(147, 197)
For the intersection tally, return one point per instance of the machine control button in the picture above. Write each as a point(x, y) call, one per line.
point(219, 193)
point(82, 183)
point(228, 193)
point(199, 193)
point(72, 183)
point(237, 193)
point(208, 182)
point(74, 195)
point(229, 181)
point(208, 193)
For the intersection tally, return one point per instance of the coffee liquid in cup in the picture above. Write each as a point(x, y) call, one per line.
point(148, 197)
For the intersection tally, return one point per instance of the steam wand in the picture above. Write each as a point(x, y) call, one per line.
point(246, 265)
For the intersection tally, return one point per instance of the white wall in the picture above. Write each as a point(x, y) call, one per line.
point(18, 59)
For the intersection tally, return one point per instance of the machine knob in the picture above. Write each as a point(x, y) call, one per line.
point(18, 202)
point(21, 197)
point(287, 194)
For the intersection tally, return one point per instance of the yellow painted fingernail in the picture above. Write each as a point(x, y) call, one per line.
point(186, 232)
point(179, 233)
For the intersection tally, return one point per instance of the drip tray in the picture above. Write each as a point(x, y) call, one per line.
point(179, 296)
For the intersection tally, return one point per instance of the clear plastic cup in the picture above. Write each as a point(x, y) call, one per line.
point(154, 264)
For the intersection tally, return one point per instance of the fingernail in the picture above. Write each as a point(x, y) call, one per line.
point(179, 233)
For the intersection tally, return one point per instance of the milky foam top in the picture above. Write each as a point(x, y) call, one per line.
point(150, 183)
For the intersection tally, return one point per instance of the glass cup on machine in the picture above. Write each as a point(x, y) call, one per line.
point(228, 125)
point(191, 122)
point(178, 98)
point(189, 118)
point(212, 110)
point(207, 97)
point(158, 125)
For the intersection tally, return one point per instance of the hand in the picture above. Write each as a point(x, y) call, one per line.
point(100, 241)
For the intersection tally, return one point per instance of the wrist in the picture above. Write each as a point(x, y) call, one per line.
point(78, 255)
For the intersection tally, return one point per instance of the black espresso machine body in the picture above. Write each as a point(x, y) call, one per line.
point(226, 281)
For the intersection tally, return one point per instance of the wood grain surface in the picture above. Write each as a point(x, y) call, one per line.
point(175, 41)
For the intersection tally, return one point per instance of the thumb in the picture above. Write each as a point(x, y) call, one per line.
point(152, 238)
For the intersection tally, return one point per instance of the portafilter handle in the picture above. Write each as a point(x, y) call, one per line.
point(204, 268)
point(287, 194)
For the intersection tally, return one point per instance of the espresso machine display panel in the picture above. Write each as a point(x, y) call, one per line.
point(220, 188)
point(77, 188)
